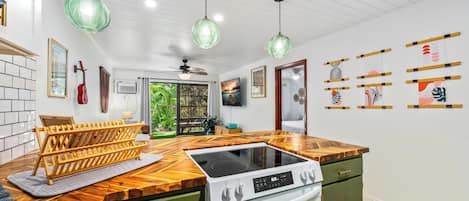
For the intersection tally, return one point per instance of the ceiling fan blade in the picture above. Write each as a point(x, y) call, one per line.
point(198, 72)
point(168, 71)
point(175, 68)
point(197, 69)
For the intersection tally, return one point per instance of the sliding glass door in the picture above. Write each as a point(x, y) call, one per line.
point(163, 108)
point(178, 108)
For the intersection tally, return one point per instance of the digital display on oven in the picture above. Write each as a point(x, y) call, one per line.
point(272, 181)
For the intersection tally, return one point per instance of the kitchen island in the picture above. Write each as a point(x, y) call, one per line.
point(176, 173)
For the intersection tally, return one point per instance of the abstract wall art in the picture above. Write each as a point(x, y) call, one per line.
point(373, 95)
point(373, 66)
point(336, 95)
point(433, 92)
point(336, 74)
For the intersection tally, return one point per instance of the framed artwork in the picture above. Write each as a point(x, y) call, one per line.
point(104, 79)
point(258, 82)
point(57, 70)
point(3, 12)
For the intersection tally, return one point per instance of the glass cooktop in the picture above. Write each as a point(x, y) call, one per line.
point(225, 163)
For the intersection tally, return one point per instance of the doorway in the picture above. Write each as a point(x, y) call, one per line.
point(291, 97)
point(178, 108)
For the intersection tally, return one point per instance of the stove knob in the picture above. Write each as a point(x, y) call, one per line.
point(239, 193)
point(312, 175)
point(303, 177)
point(225, 195)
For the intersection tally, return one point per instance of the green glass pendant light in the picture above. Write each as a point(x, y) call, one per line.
point(279, 45)
point(88, 15)
point(205, 32)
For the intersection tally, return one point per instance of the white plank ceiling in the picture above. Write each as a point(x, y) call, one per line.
point(153, 39)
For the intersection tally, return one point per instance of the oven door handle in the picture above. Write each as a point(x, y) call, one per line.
point(310, 195)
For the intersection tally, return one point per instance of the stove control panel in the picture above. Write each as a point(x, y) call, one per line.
point(272, 181)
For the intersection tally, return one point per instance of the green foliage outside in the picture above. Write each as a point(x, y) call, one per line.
point(163, 103)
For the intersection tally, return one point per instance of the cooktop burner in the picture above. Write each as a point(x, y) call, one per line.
point(225, 163)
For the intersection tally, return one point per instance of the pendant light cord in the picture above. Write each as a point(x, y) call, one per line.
point(205, 8)
point(279, 17)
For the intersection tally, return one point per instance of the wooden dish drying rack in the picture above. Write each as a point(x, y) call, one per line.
point(68, 149)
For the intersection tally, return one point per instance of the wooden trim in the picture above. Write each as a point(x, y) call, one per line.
point(374, 75)
point(10, 48)
point(336, 61)
point(336, 88)
point(278, 92)
point(424, 68)
point(452, 77)
point(436, 106)
point(375, 84)
point(337, 80)
point(361, 56)
point(441, 37)
point(337, 107)
point(383, 107)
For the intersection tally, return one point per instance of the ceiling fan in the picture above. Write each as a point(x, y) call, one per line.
point(186, 71)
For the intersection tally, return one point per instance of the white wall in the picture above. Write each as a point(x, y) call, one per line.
point(22, 23)
point(80, 47)
point(415, 154)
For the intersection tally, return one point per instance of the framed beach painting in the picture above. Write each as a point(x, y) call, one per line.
point(57, 70)
point(258, 82)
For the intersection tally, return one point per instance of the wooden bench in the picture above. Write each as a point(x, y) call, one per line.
point(69, 149)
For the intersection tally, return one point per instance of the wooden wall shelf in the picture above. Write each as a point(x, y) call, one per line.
point(453, 77)
point(361, 56)
point(382, 107)
point(436, 106)
point(446, 36)
point(375, 84)
point(336, 61)
point(374, 75)
point(10, 48)
point(336, 88)
point(424, 68)
point(337, 80)
point(337, 107)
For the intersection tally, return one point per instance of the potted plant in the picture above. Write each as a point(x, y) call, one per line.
point(209, 124)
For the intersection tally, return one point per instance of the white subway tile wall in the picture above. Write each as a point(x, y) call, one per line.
point(17, 106)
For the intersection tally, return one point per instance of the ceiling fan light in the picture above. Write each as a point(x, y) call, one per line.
point(279, 46)
point(296, 77)
point(184, 76)
point(87, 15)
point(205, 33)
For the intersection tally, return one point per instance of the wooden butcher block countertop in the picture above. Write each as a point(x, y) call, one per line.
point(176, 171)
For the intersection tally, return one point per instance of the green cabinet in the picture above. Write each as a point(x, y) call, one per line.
point(348, 190)
point(194, 196)
point(343, 180)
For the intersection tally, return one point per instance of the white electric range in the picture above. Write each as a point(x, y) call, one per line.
point(257, 172)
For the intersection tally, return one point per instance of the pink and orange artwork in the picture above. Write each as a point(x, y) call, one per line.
point(373, 95)
point(431, 53)
point(336, 97)
point(432, 92)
